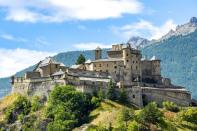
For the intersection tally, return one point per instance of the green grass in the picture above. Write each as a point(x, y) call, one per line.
point(108, 113)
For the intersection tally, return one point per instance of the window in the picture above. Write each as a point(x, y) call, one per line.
point(56, 66)
point(115, 67)
point(106, 70)
point(133, 96)
point(136, 67)
point(107, 65)
point(127, 54)
point(100, 70)
point(95, 65)
point(114, 62)
point(100, 65)
point(133, 62)
point(127, 60)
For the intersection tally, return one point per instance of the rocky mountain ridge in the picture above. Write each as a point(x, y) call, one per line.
point(184, 29)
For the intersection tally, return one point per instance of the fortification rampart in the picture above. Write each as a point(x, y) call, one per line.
point(179, 96)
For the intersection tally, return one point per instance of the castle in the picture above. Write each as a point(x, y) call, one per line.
point(141, 78)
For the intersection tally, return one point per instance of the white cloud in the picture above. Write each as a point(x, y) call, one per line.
point(12, 38)
point(91, 46)
point(144, 29)
point(14, 60)
point(61, 10)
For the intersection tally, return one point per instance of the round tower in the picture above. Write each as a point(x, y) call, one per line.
point(98, 53)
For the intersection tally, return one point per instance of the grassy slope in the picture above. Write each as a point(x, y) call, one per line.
point(6, 102)
point(108, 113)
point(105, 114)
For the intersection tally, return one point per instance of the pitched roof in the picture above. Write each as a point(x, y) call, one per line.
point(109, 59)
point(60, 72)
point(75, 66)
point(47, 61)
point(88, 61)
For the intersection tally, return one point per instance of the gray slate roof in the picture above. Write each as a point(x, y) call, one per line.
point(109, 59)
point(47, 61)
point(58, 73)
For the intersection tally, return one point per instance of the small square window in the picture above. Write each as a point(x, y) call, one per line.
point(115, 67)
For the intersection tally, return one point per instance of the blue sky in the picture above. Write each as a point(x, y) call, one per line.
point(30, 31)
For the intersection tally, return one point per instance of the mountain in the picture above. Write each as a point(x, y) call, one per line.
point(138, 42)
point(5, 86)
point(184, 29)
point(178, 56)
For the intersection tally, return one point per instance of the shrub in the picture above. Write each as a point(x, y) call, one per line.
point(126, 115)
point(95, 101)
point(60, 125)
point(170, 106)
point(36, 103)
point(20, 108)
point(133, 126)
point(101, 94)
point(151, 114)
point(189, 115)
point(67, 108)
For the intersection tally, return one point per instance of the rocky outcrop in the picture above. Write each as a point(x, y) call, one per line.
point(138, 42)
point(184, 29)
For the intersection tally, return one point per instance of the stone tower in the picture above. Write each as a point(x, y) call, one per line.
point(127, 64)
point(98, 53)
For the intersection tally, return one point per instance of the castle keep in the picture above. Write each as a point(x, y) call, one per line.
point(125, 66)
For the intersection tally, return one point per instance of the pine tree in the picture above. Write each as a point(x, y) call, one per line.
point(123, 96)
point(111, 93)
point(81, 59)
point(101, 94)
point(126, 115)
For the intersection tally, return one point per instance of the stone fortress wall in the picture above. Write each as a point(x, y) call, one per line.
point(141, 78)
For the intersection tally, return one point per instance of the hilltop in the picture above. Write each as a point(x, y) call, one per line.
point(79, 111)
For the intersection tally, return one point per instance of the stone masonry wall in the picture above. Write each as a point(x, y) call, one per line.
point(180, 97)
